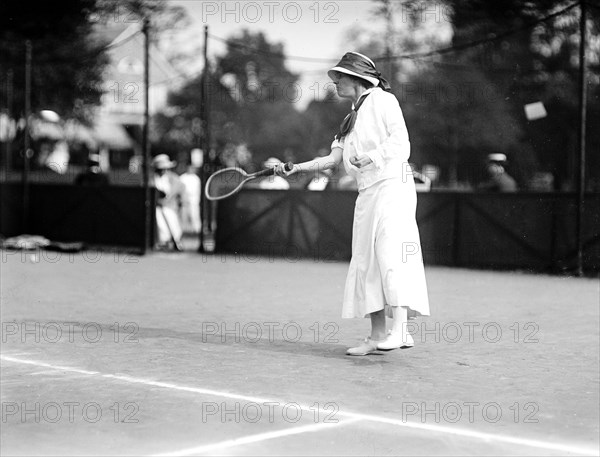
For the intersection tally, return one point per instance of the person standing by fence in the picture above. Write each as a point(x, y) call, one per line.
point(190, 211)
point(171, 197)
point(498, 179)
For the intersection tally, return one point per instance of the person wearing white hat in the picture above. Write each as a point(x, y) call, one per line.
point(497, 157)
point(498, 179)
point(171, 196)
point(273, 182)
point(386, 277)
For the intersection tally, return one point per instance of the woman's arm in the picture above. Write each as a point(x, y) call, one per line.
point(320, 163)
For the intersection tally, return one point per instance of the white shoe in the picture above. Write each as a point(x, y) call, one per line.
point(396, 341)
point(367, 347)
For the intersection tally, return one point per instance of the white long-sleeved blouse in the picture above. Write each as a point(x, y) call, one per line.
point(379, 132)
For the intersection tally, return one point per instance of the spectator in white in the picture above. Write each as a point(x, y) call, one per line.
point(273, 182)
point(499, 180)
point(320, 180)
point(171, 196)
point(190, 211)
point(59, 157)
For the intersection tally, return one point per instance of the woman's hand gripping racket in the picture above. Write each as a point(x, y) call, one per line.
point(228, 181)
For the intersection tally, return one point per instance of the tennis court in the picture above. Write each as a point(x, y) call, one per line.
point(105, 353)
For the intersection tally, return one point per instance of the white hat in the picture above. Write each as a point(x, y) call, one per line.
point(496, 157)
point(271, 162)
point(163, 162)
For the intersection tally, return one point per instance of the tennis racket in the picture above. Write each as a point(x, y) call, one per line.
point(176, 243)
point(226, 182)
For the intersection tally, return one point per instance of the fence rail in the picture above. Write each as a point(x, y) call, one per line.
point(534, 231)
point(108, 215)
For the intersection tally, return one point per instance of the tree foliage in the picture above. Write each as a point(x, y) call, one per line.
point(68, 54)
point(252, 100)
point(460, 103)
point(468, 100)
point(67, 62)
point(533, 56)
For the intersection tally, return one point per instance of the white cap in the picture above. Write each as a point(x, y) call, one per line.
point(496, 157)
point(271, 162)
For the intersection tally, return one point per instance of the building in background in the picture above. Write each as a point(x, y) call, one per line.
point(119, 124)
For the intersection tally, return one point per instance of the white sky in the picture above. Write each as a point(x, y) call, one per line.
point(306, 28)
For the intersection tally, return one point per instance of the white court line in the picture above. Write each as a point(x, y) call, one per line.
point(47, 365)
point(257, 438)
point(488, 437)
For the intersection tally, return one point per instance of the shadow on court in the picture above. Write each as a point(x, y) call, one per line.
point(185, 354)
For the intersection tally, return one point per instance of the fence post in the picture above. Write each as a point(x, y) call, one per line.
point(456, 233)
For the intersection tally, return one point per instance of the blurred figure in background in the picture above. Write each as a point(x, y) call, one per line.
point(58, 159)
point(93, 176)
point(190, 210)
point(347, 182)
point(171, 197)
point(499, 180)
point(273, 182)
point(422, 182)
point(320, 180)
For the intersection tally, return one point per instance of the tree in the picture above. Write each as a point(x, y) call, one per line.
point(181, 127)
point(455, 119)
point(60, 34)
point(409, 27)
point(509, 53)
point(68, 55)
point(252, 96)
point(532, 55)
point(322, 119)
point(265, 92)
point(166, 21)
point(454, 113)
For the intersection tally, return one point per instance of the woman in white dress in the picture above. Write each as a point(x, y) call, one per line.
point(386, 275)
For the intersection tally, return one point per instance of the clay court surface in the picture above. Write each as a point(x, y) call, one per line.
point(105, 353)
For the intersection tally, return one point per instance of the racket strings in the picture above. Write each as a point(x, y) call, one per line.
point(224, 182)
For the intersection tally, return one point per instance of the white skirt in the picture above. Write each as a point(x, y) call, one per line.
point(386, 268)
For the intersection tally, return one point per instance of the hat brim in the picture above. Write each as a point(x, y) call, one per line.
point(165, 166)
point(332, 74)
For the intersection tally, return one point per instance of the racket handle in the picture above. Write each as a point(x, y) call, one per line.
point(271, 171)
point(287, 167)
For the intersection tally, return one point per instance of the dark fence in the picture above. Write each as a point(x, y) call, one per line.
point(533, 231)
point(109, 215)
